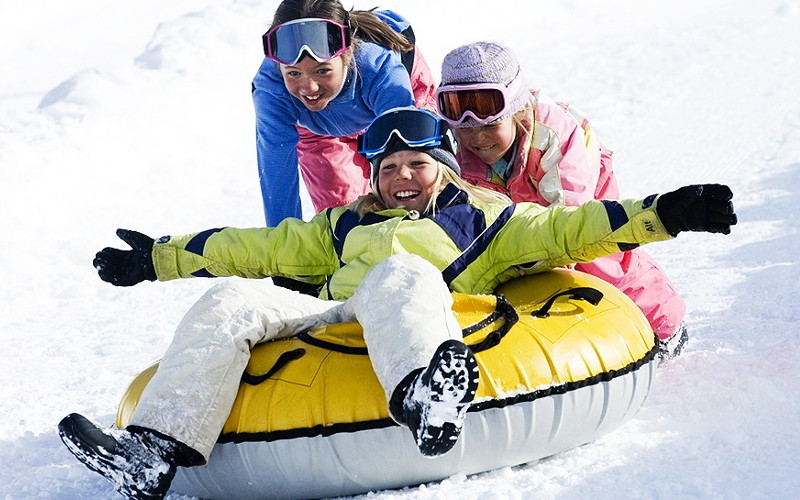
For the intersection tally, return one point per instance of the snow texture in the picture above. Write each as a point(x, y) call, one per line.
point(138, 115)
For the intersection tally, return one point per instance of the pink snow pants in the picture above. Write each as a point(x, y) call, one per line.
point(643, 281)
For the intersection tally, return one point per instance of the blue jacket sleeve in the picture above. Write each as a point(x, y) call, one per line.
point(276, 148)
point(384, 80)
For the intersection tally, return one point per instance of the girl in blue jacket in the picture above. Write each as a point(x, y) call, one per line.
point(327, 74)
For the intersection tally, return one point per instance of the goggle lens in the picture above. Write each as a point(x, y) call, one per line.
point(322, 39)
point(414, 127)
point(483, 103)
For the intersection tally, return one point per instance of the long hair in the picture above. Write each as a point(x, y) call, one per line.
point(372, 202)
point(365, 24)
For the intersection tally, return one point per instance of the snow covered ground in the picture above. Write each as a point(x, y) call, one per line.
point(139, 116)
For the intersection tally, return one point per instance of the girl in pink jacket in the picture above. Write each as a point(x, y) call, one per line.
point(531, 148)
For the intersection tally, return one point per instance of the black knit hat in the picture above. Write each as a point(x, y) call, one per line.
point(438, 153)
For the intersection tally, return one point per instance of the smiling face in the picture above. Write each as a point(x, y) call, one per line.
point(489, 142)
point(314, 83)
point(407, 179)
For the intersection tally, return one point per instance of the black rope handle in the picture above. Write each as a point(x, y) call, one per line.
point(331, 346)
point(283, 360)
point(503, 309)
point(590, 295)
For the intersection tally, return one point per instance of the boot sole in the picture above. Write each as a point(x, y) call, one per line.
point(452, 377)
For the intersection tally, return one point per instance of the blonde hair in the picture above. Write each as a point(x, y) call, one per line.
point(372, 202)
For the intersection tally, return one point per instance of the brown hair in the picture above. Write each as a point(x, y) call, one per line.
point(365, 24)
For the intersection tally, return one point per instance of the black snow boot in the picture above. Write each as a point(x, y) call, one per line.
point(672, 346)
point(139, 463)
point(433, 401)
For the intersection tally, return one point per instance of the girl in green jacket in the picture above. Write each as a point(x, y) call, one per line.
point(391, 261)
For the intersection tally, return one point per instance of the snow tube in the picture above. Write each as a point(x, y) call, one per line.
point(564, 358)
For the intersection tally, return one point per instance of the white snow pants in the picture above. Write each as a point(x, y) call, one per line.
point(403, 306)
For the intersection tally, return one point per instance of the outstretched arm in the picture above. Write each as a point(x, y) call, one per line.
point(293, 248)
point(546, 238)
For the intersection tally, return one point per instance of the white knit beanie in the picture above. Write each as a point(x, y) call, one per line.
point(486, 62)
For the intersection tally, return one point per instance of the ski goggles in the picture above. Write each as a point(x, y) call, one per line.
point(322, 39)
point(417, 128)
point(483, 102)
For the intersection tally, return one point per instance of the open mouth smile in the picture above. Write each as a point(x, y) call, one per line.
point(406, 195)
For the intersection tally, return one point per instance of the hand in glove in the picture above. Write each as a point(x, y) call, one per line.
point(127, 267)
point(702, 207)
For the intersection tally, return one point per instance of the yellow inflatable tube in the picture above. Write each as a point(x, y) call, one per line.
point(564, 358)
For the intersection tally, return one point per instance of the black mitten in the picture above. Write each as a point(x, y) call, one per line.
point(701, 207)
point(127, 267)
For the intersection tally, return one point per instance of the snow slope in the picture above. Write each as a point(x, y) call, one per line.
point(139, 116)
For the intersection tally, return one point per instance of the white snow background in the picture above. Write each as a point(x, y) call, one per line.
point(138, 115)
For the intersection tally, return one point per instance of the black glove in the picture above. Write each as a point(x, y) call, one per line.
point(127, 267)
point(701, 207)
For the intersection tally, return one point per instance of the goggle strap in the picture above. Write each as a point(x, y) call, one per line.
point(347, 19)
point(348, 29)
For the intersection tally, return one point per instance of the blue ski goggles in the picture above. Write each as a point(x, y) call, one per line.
point(322, 39)
point(416, 128)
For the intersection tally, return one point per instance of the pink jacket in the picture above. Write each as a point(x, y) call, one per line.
point(560, 160)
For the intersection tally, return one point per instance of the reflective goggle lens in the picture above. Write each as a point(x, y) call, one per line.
point(458, 102)
point(415, 127)
point(323, 39)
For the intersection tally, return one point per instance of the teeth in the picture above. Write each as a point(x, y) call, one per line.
point(311, 98)
point(406, 194)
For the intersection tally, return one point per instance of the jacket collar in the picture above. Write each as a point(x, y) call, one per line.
point(451, 195)
point(350, 84)
point(351, 80)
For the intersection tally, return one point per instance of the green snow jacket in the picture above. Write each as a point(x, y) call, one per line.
point(476, 246)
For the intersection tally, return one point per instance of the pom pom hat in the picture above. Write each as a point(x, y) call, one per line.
point(485, 63)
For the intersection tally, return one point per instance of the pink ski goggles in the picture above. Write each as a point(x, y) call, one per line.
point(322, 39)
point(483, 102)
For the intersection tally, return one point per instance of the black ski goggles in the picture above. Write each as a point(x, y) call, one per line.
point(321, 39)
point(416, 128)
